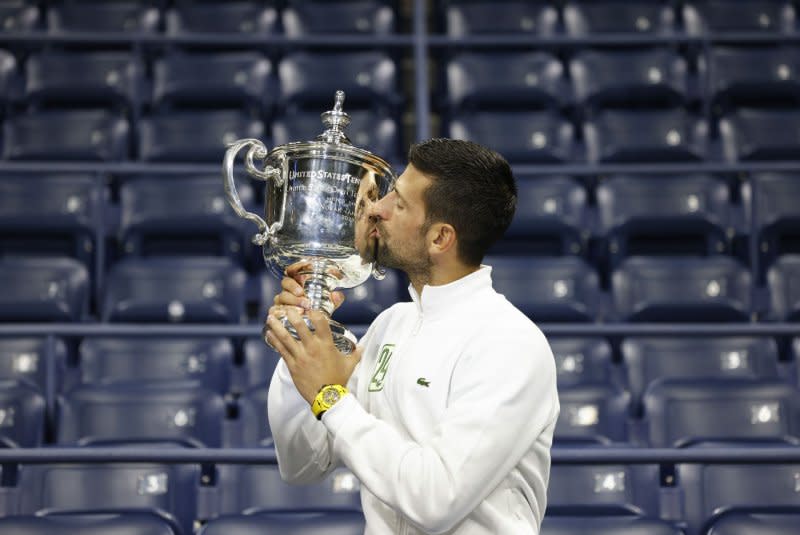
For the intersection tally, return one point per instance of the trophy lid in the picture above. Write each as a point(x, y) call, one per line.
point(336, 120)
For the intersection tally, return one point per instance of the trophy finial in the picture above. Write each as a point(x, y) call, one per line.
point(337, 106)
point(335, 120)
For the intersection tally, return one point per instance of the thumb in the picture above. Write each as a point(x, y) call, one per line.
point(337, 298)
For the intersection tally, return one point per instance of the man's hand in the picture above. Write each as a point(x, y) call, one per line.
point(292, 294)
point(313, 361)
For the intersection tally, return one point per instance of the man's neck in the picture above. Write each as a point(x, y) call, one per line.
point(439, 277)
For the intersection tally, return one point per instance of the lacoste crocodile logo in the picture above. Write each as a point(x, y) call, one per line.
point(423, 382)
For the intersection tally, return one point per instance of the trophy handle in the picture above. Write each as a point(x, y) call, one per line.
point(257, 151)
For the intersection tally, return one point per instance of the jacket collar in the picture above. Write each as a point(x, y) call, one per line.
point(439, 299)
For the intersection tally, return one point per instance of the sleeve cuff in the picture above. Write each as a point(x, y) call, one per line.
point(335, 417)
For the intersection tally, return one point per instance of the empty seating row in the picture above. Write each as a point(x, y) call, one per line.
point(296, 18)
point(522, 136)
point(587, 17)
point(634, 214)
point(746, 405)
point(178, 136)
point(608, 499)
point(565, 289)
point(218, 365)
point(200, 78)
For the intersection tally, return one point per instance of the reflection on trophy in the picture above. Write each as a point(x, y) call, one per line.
point(317, 203)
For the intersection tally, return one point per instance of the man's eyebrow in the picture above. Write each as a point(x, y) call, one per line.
point(397, 192)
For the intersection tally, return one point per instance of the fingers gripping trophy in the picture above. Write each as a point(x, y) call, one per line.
point(316, 211)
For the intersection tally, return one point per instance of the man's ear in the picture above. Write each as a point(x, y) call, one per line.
point(441, 238)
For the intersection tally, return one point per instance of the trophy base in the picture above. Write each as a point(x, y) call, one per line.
point(343, 339)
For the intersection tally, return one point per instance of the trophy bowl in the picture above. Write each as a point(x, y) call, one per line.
point(316, 207)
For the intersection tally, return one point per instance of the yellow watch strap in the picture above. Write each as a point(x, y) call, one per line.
point(322, 402)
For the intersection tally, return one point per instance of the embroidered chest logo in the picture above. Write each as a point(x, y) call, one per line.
point(381, 368)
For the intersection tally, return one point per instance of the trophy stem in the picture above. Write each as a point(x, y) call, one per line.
point(319, 284)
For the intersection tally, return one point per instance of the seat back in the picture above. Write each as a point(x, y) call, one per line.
point(463, 18)
point(22, 415)
point(228, 17)
point(548, 289)
point(695, 289)
point(520, 136)
point(43, 289)
point(190, 289)
point(586, 17)
point(685, 412)
point(592, 413)
point(783, 280)
point(308, 17)
point(288, 523)
point(97, 135)
point(168, 411)
point(112, 360)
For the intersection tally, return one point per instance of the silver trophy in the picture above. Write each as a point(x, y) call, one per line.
point(315, 211)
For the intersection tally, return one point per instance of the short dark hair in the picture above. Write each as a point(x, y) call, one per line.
point(472, 188)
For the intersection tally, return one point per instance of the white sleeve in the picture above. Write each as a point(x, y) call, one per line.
point(503, 395)
point(303, 445)
point(301, 442)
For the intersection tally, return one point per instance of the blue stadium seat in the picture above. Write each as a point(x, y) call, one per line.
point(169, 491)
point(716, 16)
point(113, 360)
point(604, 489)
point(178, 412)
point(259, 362)
point(83, 78)
point(774, 213)
point(309, 80)
point(308, 17)
point(215, 79)
point(469, 17)
point(673, 215)
point(581, 360)
point(592, 414)
point(182, 216)
point(118, 16)
point(43, 289)
point(551, 217)
point(88, 524)
point(752, 76)
point(287, 523)
point(642, 76)
point(50, 215)
point(66, 135)
point(192, 289)
point(646, 136)
point(783, 280)
point(252, 403)
point(648, 359)
point(27, 359)
point(587, 17)
point(520, 136)
point(227, 17)
point(10, 79)
point(688, 289)
point(548, 289)
point(377, 132)
point(19, 16)
point(712, 492)
point(194, 136)
point(749, 134)
point(253, 489)
point(364, 302)
point(606, 525)
point(22, 415)
point(481, 80)
point(688, 412)
point(763, 523)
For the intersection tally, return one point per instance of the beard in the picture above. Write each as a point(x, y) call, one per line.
point(410, 257)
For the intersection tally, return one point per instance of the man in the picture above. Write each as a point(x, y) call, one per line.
point(446, 410)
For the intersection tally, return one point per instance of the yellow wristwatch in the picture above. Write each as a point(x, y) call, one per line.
point(326, 398)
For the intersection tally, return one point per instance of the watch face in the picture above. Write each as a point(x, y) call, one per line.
point(330, 396)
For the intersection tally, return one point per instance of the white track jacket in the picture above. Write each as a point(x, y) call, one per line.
point(449, 422)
